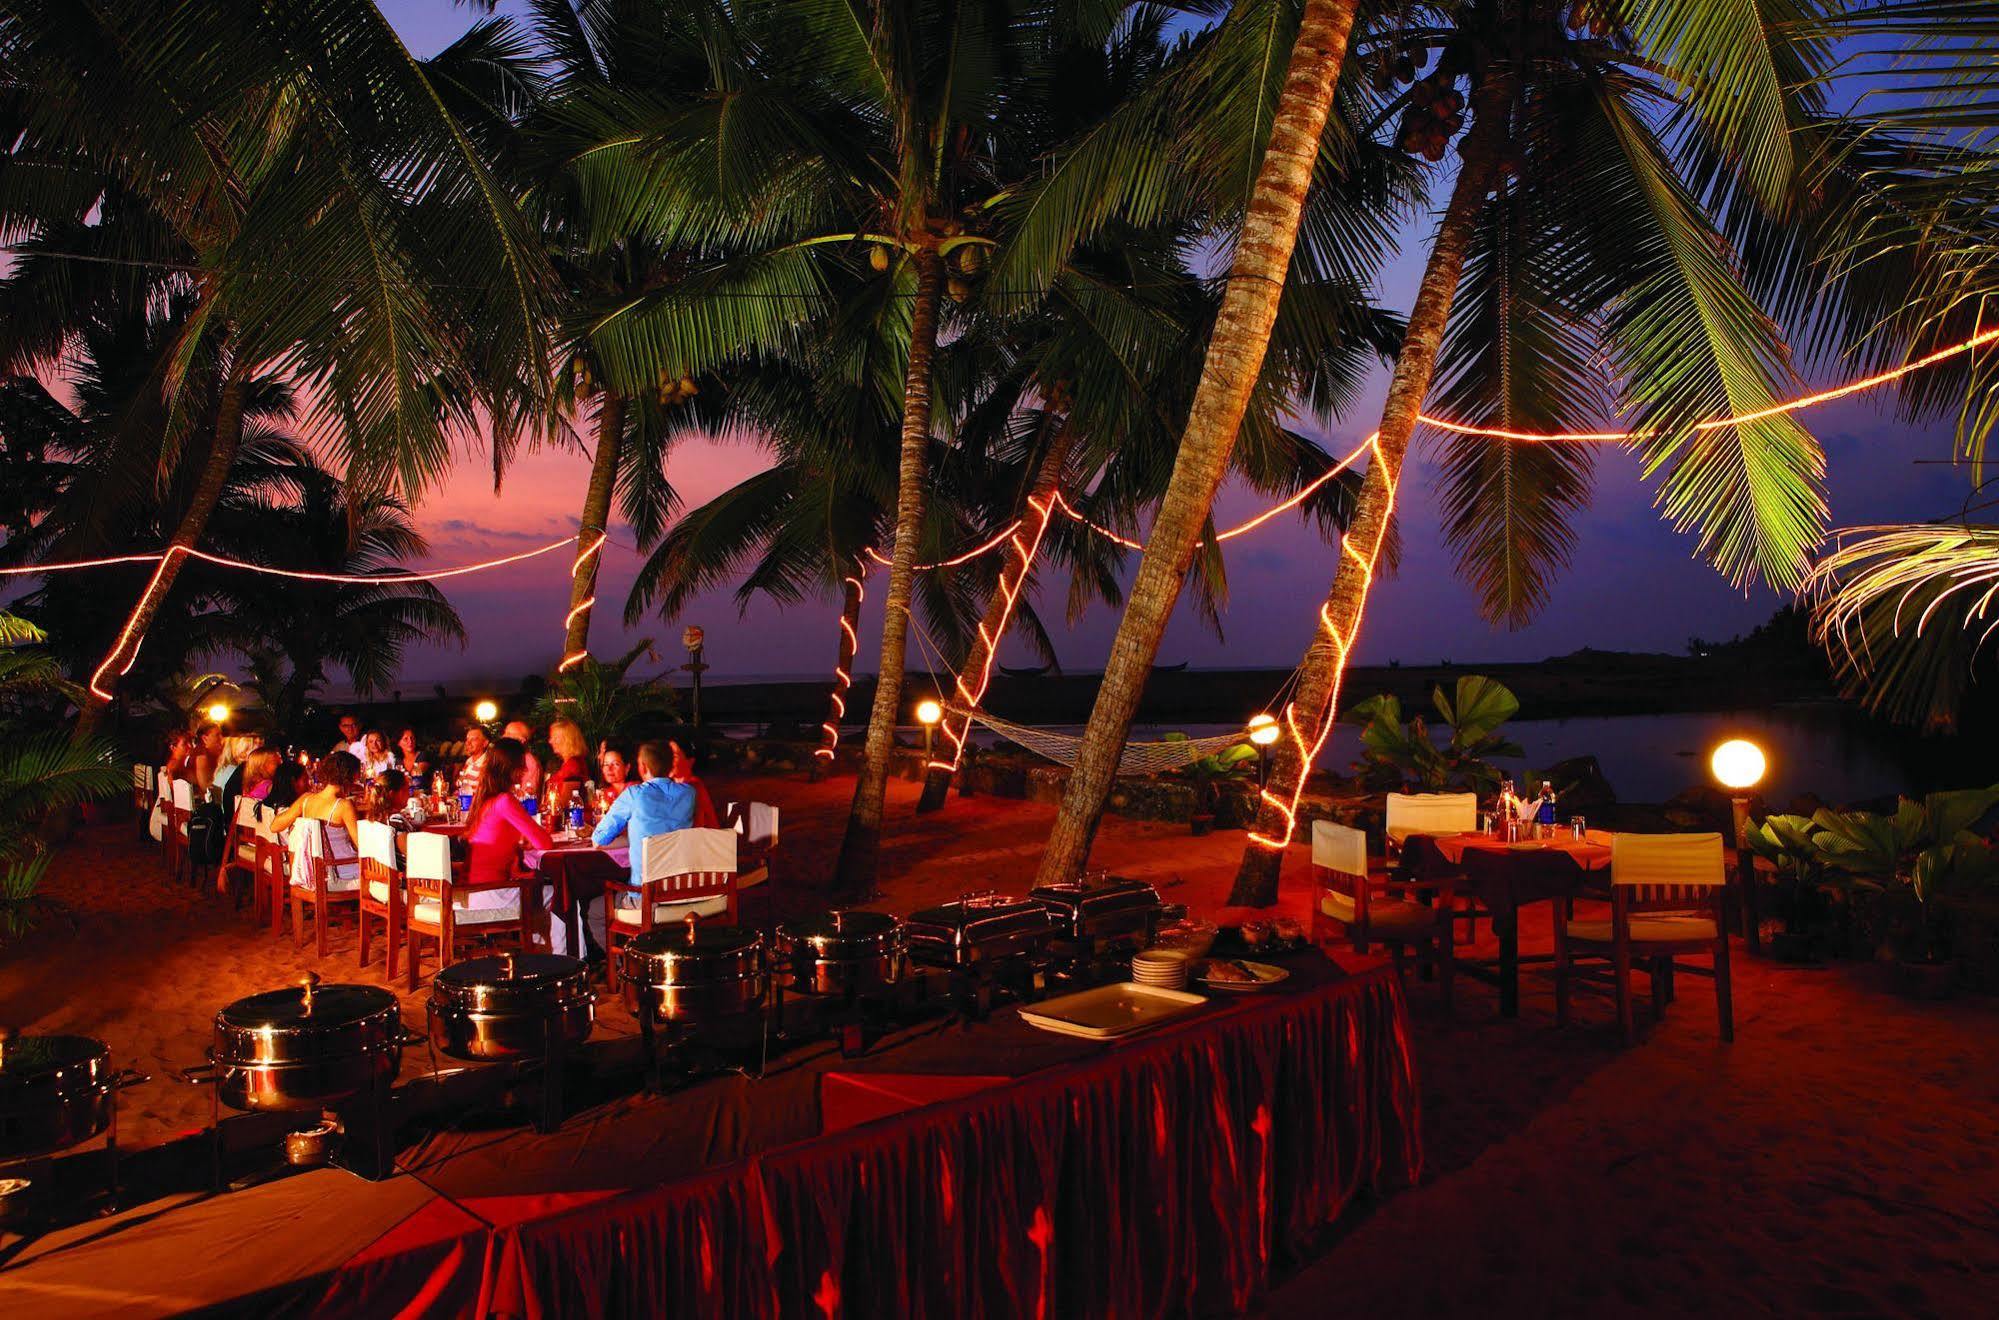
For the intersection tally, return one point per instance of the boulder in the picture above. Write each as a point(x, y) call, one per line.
point(1580, 785)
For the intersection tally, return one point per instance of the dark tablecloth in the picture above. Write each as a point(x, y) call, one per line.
point(1148, 1177)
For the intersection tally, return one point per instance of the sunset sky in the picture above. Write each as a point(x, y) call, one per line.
point(1632, 585)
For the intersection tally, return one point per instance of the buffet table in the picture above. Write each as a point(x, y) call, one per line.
point(955, 1169)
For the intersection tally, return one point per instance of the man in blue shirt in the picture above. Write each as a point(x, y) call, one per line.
point(654, 805)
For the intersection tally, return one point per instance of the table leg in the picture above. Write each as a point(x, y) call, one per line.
point(1507, 923)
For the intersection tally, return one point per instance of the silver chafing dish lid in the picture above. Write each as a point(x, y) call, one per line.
point(309, 1007)
point(842, 934)
point(511, 979)
point(49, 1065)
point(978, 918)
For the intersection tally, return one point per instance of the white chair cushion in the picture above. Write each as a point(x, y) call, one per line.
point(247, 852)
point(426, 913)
point(1665, 927)
point(378, 891)
point(1384, 915)
point(335, 884)
point(663, 913)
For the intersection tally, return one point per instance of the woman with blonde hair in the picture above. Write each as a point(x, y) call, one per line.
point(565, 739)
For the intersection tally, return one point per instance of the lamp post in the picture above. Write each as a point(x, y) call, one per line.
point(693, 638)
point(486, 711)
point(1738, 765)
point(1263, 731)
point(218, 713)
point(928, 714)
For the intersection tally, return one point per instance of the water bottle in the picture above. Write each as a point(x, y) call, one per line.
point(1508, 809)
point(575, 811)
point(1544, 810)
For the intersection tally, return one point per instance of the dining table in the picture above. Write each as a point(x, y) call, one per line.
point(1503, 875)
point(577, 871)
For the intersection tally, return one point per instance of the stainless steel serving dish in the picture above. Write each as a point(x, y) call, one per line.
point(55, 1091)
point(1101, 910)
point(511, 1006)
point(841, 952)
point(978, 928)
point(305, 1049)
point(693, 973)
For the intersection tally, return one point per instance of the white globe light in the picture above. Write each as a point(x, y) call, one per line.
point(218, 713)
point(486, 712)
point(928, 712)
point(1263, 729)
point(1738, 763)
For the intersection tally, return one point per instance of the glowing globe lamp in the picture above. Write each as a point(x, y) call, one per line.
point(486, 712)
point(928, 712)
point(218, 713)
point(1263, 729)
point(1738, 764)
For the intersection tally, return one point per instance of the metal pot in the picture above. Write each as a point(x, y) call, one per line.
point(305, 1049)
point(1100, 911)
point(841, 952)
point(978, 928)
point(693, 973)
point(55, 1091)
point(511, 1006)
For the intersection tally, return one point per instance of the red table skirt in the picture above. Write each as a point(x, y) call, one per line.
point(1165, 1176)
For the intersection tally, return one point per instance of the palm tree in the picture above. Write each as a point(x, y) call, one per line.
point(304, 186)
point(1261, 262)
point(291, 631)
point(1588, 244)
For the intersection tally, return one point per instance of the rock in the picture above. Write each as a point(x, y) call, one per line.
point(1580, 785)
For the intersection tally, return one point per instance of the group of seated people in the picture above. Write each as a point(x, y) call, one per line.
point(360, 778)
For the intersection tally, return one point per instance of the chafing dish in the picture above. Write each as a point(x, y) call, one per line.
point(693, 973)
point(306, 1048)
point(841, 952)
point(978, 928)
point(55, 1091)
point(1100, 909)
point(511, 1006)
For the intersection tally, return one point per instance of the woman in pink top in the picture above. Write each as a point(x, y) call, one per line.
point(496, 828)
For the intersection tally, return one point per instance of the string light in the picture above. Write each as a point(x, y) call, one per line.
point(581, 653)
point(842, 680)
point(958, 728)
point(36, 570)
point(1342, 643)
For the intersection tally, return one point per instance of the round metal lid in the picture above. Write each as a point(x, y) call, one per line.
point(525, 970)
point(692, 941)
point(309, 1006)
point(61, 1061)
point(842, 925)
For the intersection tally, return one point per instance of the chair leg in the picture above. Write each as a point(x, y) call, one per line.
point(1655, 968)
point(1620, 960)
point(391, 941)
point(1724, 988)
point(319, 915)
point(1561, 974)
point(415, 957)
point(298, 920)
point(361, 921)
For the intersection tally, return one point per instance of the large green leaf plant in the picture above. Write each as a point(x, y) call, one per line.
point(1405, 754)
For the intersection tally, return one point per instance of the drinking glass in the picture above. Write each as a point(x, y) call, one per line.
point(1579, 827)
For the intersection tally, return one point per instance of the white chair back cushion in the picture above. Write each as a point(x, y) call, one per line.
point(263, 820)
point(164, 785)
point(759, 821)
point(1340, 848)
point(1667, 859)
point(687, 852)
point(184, 794)
point(429, 857)
point(377, 844)
point(1431, 813)
point(246, 812)
point(306, 843)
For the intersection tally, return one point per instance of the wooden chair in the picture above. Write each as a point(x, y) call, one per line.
point(685, 872)
point(180, 806)
point(239, 849)
point(1376, 909)
point(381, 889)
point(756, 827)
point(143, 794)
point(1410, 814)
point(268, 882)
point(1667, 895)
point(438, 906)
point(317, 880)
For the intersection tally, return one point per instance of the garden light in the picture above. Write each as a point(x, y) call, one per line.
point(1264, 729)
point(1738, 764)
point(928, 712)
point(218, 713)
point(486, 712)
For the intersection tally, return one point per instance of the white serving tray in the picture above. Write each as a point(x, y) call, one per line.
point(1110, 1011)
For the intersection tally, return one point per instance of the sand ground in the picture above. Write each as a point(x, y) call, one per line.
point(1840, 1158)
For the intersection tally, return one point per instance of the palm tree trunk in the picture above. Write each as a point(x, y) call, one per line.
point(1023, 546)
point(1316, 696)
point(862, 844)
point(1235, 358)
point(124, 650)
point(843, 674)
point(596, 518)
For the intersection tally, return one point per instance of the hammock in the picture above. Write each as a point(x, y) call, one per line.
point(1138, 758)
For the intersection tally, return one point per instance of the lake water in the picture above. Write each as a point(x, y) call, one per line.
point(1827, 750)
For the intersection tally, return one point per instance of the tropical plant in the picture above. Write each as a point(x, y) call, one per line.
point(603, 699)
point(1398, 755)
point(1208, 773)
point(1926, 850)
point(1802, 875)
point(291, 172)
point(42, 771)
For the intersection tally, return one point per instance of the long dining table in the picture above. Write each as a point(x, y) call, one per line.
point(1505, 875)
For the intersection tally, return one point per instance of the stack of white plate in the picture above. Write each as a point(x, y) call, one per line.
point(1165, 968)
